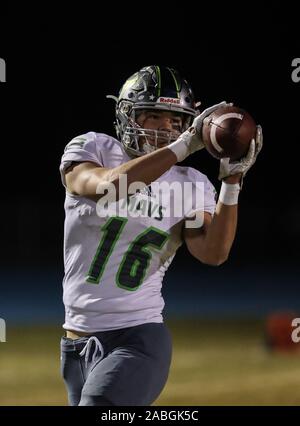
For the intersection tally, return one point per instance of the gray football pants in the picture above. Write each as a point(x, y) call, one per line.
point(128, 366)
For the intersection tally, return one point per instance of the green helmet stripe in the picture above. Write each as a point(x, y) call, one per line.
point(158, 80)
point(176, 82)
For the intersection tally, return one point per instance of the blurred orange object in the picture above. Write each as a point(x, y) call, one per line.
point(279, 332)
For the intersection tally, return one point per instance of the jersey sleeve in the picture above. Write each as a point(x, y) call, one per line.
point(210, 197)
point(81, 148)
point(208, 204)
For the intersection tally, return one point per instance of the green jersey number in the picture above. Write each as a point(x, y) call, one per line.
point(136, 260)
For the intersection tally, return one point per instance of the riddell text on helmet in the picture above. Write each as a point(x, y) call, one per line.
point(169, 100)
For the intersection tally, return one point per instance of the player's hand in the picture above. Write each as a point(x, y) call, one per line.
point(190, 141)
point(195, 142)
point(242, 166)
point(198, 121)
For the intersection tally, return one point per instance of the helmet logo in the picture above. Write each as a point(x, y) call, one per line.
point(168, 100)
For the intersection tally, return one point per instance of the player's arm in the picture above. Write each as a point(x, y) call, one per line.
point(84, 178)
point(212, 242)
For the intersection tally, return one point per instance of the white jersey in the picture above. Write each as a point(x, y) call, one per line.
point(114, 265)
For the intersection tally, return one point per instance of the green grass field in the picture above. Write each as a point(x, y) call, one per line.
point(214, 363)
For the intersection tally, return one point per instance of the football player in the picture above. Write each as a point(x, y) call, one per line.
point(117, 349)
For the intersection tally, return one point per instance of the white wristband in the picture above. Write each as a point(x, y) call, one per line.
point(229, 193)
point(181, 146)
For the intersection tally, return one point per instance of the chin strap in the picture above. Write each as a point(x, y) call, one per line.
point(148, 148)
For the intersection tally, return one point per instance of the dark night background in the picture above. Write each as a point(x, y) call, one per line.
point(59, 70)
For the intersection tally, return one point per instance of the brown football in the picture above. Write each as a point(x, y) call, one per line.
point(227, 132)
